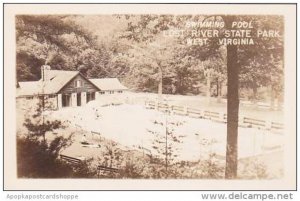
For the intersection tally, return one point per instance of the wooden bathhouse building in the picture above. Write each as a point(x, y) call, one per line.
point(67, 88)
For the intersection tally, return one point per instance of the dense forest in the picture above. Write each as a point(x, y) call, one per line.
point(133, 49)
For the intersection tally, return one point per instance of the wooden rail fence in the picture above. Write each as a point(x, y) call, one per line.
point(214, 116)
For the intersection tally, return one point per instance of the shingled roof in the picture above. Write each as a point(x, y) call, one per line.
point(106, 84)
point(57, 79)
point(28, 88)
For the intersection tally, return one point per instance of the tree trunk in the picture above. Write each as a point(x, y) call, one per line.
point(208, 82)
point(254, 95)
point(219, 91)
point(272, 96)
point(43, 118)
point(160, 82)
point(232, 108)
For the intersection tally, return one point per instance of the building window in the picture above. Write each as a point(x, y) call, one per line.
point(120, 91)
point(78, 83)
point(102, 92)
point(111, 92)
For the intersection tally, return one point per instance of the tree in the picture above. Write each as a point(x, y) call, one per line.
point(36, 156)
point(58, 41)
point(214, 68)
point(210, 165)
point(112, 157)
point(264, 70)
point(36, 123)
point(153, 57)
point(38, 159)
point(237, 56)
point(165, 143)
point(232, 106)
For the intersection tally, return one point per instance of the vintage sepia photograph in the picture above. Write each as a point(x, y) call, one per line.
point(150, 96)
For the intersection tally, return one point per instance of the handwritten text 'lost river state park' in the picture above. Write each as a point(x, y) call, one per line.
point(241, 33)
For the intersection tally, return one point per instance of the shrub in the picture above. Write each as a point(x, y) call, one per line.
point(37, 159)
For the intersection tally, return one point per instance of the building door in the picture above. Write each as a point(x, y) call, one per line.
point(66, 100)
point(93, 96)
point(90, 96)
point(78, 99)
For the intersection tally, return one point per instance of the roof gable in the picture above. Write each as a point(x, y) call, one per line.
point(83, 77)
point(57, 80)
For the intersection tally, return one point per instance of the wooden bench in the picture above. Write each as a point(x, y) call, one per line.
point(104, 169)
point(220, 157)
point(271, 148)
point(96, 133)
point(70, 160)
point(78, 126)
point(145, 150)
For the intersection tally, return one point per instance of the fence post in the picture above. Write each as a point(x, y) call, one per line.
point(201, 114)
point(206, 114)
point(171, 109)
point(254, 143)
point(268, 125)
point(241, 120)
point(222, 117)
point(185, 111)
point(156, 105)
